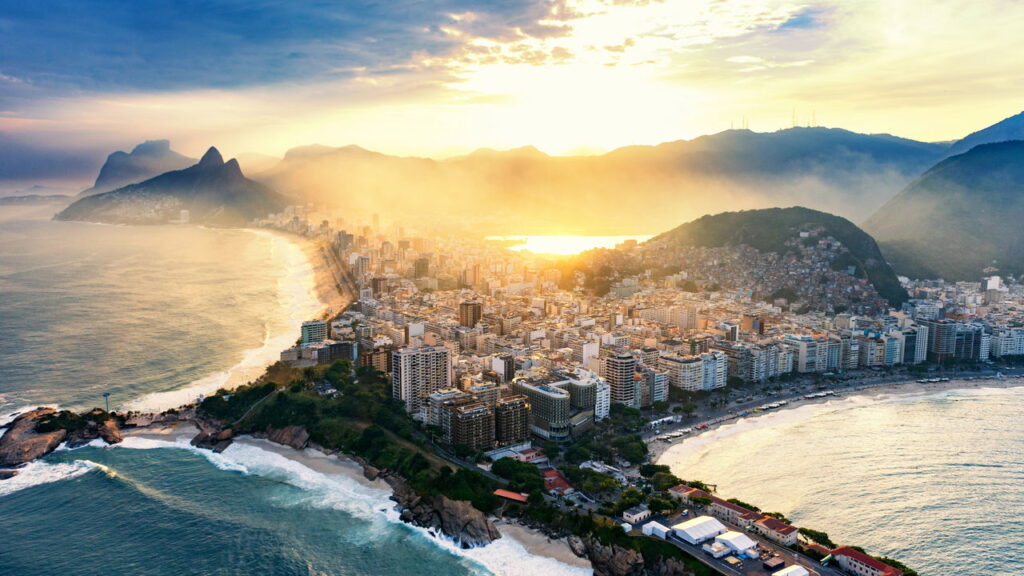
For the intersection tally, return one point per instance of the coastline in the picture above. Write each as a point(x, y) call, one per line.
point(534, 542)
point(308, 290)
point(660, 452)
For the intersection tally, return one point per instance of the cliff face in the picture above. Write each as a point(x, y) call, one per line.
point(458, 520)
point(614, 560)
point(22, 444)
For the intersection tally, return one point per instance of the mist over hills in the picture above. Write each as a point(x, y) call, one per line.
point(214, 192)
point(148, 159)
point(958, 218)
point(526, 191)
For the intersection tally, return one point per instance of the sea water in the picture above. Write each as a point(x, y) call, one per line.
point(155, 316)
point(934, 479)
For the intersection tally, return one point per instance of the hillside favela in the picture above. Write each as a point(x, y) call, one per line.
point(517, 288)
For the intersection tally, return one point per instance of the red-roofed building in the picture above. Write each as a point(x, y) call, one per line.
point(854, 561)
point(510, 495)
point(776, 530)
point(555, 483)
point(733, 513)
point(686, 494)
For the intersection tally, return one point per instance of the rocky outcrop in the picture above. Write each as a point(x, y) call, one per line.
point(98, 424)
point(213, 438)
point(608, 560)
point(614, 560)
point(457, 519)
point(294, 436)
point(370, 473)
point(22, 444)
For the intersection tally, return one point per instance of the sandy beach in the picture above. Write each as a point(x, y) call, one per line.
point(328, 283)
point(909, 387)
point(539, 544)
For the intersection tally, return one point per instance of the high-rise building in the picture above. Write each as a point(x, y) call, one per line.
point(473, 426)
point(619, 369)
point(512, 420)
point(470, 313)
point(550, 408)
point(314, 331)
point(421, 267)
point(706, 371)
point(941, 339)
point(655, 386)
point(419, 372)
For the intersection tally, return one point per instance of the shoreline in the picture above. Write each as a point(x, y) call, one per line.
point(533, 541)
point(659, 451)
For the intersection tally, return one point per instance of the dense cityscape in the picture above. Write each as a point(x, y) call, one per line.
point(508, 354)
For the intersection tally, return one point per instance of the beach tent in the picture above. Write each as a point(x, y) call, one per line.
point(738, 542)
point(699, 529)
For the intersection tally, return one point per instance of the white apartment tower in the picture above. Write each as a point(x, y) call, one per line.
point(419, 372)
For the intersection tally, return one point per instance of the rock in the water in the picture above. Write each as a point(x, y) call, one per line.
point(457, 519)
point(8, 474)
point(22, 444)
point(110, 432)
point(294, 436)
point(371, 473)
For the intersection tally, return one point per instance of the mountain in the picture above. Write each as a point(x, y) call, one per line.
point(145, 161)
point(958, 218)
point(779, 230)
point(1011, 128)
point(525, 191)
point(213, 191)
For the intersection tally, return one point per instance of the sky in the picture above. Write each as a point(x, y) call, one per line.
point(81, 78)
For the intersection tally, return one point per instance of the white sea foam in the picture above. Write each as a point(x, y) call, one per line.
point(297, 301)
point(503, 557)
point(39, 472)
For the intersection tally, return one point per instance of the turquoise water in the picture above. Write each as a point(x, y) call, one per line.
point(934, 479)
point(155, 316)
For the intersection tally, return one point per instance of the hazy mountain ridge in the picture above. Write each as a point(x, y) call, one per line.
point(773, 229)
point(213, 191)
point(829, 169)
point(148, 159)
point(958, 217)
point(1011, 128)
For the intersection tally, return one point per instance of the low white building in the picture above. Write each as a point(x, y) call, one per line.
point(699, 529)
point(656, 529)
point(716, 549)
point(636, 514)
point(793, 571)
point(739, 543)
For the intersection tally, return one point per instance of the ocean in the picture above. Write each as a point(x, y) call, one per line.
point(155, 316)
point(933, 479)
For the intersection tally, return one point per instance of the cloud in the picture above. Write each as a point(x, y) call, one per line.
point(108, 45)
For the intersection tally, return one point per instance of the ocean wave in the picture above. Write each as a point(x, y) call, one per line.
point(503, 557)
point(39, 472)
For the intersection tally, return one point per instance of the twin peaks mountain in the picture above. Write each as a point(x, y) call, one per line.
point(959, 218)
point(149, 159)
point(213, 191)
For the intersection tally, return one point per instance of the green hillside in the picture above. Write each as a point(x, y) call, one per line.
point(770, 229)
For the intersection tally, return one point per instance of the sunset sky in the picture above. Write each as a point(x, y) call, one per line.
point(80, 78)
